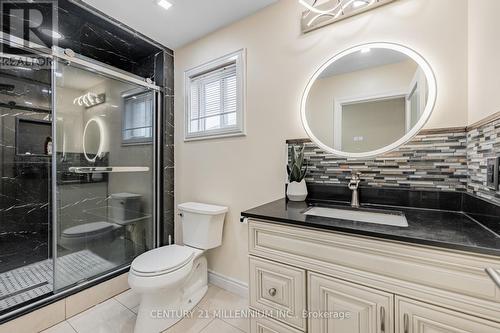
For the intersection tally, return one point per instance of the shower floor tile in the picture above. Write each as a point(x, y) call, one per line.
point(33, 281)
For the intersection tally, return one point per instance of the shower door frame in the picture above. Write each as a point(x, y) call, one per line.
point(90, 65)
point(54, 55)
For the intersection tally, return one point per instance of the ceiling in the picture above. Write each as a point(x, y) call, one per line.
point(358, 61)
point(184, 22)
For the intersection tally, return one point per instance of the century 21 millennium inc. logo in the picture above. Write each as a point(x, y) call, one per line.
point(26, 25)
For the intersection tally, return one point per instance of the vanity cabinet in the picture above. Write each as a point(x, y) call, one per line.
point(307, 280)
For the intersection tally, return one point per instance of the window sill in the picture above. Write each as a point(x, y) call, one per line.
point(139, 143)
point(214, 136)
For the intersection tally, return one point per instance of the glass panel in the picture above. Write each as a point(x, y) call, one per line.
point(104, 219)
point(25, 131)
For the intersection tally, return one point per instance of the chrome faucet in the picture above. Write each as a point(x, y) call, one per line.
point(353, 186)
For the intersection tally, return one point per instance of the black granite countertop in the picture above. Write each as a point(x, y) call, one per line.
point(440, 228)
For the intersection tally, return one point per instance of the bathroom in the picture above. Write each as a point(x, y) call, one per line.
point(130, 203)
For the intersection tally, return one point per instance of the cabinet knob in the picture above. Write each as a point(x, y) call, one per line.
point(272, 292)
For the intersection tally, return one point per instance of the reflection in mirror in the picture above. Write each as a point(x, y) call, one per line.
point(368, 99)
point(92, 139)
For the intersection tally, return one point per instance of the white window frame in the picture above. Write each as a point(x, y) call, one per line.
point(239, 59)
point(140, 140)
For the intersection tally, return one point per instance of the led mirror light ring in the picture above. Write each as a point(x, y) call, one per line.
point(429, 107)
point(101, 139)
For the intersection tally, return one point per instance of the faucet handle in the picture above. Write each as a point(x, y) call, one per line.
point(355, 175)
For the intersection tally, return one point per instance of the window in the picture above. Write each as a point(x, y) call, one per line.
point(138, 119)
point(215, 98)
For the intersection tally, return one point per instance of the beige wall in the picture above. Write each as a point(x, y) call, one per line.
point(379, 123)
point(393, 78)
point(484, 59)
point(247, 171)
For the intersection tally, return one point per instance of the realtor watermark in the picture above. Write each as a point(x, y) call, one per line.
point(29, 28)
point(246, 314)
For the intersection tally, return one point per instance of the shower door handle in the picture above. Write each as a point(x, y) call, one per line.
point(86, 170)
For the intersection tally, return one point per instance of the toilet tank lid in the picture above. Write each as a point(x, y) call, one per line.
point(201, 208)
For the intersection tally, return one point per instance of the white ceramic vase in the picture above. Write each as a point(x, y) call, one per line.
point(297, 191)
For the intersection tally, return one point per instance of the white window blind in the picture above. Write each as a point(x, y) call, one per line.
point(138, 119)
point(215, 101)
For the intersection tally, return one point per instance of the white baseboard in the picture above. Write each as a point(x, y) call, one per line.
point(232, 285)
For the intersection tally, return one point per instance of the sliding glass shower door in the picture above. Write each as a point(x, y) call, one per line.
point(103, 172)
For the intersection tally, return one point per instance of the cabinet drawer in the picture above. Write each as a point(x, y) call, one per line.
point(279, 291)
point(347, 307)
point(267, 325)
point(417, 317)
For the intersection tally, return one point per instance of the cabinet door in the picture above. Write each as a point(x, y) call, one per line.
point(417, 317)
point(279, 291)
point(337, 306)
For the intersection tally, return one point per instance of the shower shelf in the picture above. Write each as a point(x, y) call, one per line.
point(109, 169)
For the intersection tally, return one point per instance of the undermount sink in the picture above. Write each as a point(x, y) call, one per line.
point(392, 218)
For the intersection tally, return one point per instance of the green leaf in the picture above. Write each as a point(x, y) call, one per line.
point(295, 176)
point(303, 175)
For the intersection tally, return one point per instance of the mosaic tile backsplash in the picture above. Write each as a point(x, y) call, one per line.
point(482, 143)
point(451, 160)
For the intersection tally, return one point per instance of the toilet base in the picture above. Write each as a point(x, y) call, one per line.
point(154, 318)
point(162, 309)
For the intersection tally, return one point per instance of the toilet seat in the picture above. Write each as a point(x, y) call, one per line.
point(162, 260)
point(88, 235)
point(88, 230)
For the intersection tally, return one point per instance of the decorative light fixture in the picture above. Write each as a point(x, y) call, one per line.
point(360, 3)
point(89, 100)
point(327, 12)
point(164, 4)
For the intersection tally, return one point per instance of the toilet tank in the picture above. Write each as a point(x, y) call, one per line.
point(202, 224)
point(126, 206)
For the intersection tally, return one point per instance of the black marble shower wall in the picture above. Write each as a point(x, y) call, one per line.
point(25, 182)
point(25, 115)
point(95, 35)
point(24, 196)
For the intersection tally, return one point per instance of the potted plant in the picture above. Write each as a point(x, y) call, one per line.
point(296, 168)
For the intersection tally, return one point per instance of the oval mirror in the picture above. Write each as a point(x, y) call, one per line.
point(93, 137)
point(368, 100)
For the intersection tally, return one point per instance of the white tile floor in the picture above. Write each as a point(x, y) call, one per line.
point(117, 315)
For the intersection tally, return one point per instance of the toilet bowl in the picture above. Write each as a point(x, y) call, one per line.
point(172, 279)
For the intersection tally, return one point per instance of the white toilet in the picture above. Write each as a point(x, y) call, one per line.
point(172, 279)
point(125, 210)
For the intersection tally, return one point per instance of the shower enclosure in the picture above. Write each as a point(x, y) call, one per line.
point(79, 166)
